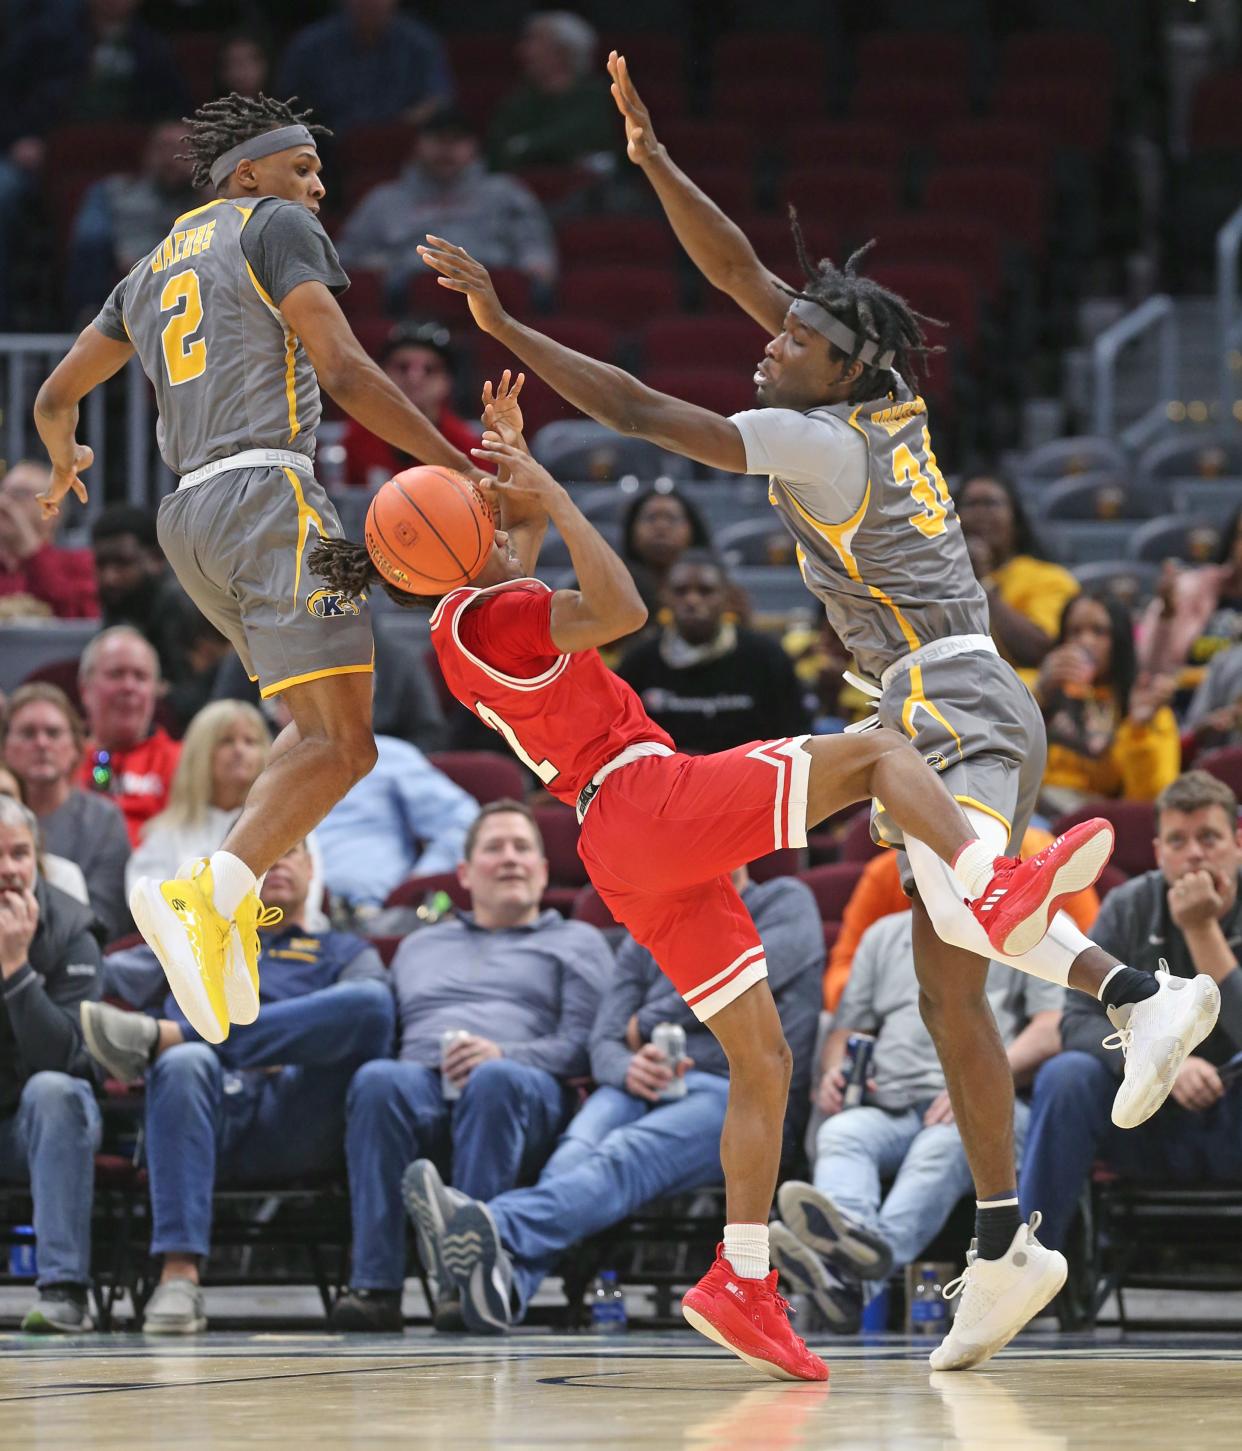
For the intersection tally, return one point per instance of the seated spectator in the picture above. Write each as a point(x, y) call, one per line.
point(522, 987)
point(243, 65)
point(42, 741)
point(137, 588)
point(419, 359)
point(840, 1238)
point(562, 111)
point(123, 217)
point(1195, 612)
point(1184, 918)
point(1214, 715)
point(656, 530)
point(1110, 731)
point(878, 893)
point(367, 64)
point(50, 1126)
point(403, 819)
point(1026, 592)
point(59, 871)
point(447, 190)
point(629, 1143)
point(711, 684)
point(37, 579)
point(265, 1106)
point(126, 757)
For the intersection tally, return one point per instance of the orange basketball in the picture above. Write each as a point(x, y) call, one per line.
point(428, 530)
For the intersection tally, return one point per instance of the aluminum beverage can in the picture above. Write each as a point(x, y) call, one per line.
point(670, 1039)
point(859, 1051)
point(448, 1089)
point(23, 1265)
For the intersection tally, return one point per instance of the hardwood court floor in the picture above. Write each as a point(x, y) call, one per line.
point(643, 1391)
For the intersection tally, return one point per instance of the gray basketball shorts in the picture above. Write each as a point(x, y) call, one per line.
point(238, 544)
point(974, 722)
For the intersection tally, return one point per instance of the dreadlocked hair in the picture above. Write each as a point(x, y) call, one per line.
point(349, 568)
point(218, 126)
point(872, 312)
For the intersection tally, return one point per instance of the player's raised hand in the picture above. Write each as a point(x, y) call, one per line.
point(64, 480)
point(519, 477)
point(640, 140)
point(502, 413)
point(461, 273)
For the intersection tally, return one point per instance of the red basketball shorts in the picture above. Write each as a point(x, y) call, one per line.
point(662, 836)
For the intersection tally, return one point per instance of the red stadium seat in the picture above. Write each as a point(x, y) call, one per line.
point(1225, 764)
point(856, 843)
point(493, 52)
point(693, 142)
point(606, 240)
point(1135, 825)
point(371, 329)
point(589, 907)
point(775, 55)
point(1007, 196)
point(1109, 878)
point(386, 145)
point(196, 54)
point(1216, 114)
point(1056, 54)
point(1076, 113)
point(620, 294)
point(993, 142)
point(915, 109)
point(792, 101)
point(816, 143)
point(365, 295)
point(939, 55)
point(651, 56)
point(426, 298)
point(552, 184)
point(939, 290)
point(788, 861)
point(559, 827)
point(833, 886)
point(386, 947)
point(723, 390)
point(94, 148)
point(851, 195)
point(413, 890)
point(968, 243)
point(583, 334)
point(486, 775)
point(691, 342)
point(730, 187)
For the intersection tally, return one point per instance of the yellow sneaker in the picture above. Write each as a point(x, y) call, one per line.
point(179, 920)
point(241, 977)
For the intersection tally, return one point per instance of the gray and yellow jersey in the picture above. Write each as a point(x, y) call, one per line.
point(203, 312)
point(878, 539)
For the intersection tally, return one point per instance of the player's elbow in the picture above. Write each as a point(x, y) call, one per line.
point(52, 400)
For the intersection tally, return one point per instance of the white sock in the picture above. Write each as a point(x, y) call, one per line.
point(974, 866)
point(746, 1249)
point(232, 879)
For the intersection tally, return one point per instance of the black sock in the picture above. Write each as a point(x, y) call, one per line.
point(1128, 985)
point(996, 1222)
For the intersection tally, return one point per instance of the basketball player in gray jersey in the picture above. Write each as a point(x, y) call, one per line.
point(235, 321)
point(844, 441)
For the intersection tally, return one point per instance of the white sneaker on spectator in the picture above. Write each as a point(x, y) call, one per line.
point(431, 1204)
point(176, 1308)
point(1156, 1037)
point(998, 1298)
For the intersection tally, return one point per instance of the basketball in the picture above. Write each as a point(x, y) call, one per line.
point(428, 530)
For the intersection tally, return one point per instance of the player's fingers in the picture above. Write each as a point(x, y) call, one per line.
point(517, 387)
point(487, 394)
point(79, 488)
point(48, 506)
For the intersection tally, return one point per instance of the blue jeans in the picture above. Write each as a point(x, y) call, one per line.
point(50, 1143)
point(1071, 1127)
point(617, 1154)
point(859, 1147)
point(213, 1112)
point(498, 1132)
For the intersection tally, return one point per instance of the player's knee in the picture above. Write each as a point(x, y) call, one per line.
point(357, 753)
point(763, 1057)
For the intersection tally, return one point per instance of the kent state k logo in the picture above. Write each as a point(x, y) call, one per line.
point(331, 604)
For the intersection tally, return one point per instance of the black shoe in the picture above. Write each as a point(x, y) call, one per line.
point(448, 1319)
point(368, 1312)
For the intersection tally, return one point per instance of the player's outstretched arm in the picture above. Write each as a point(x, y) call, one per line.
point(92, 360)
point(606, 606)
point(359, 384)
point(604, 392)
point(717, 246)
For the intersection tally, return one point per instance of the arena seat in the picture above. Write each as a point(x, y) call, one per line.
point(914, 107)
point(887, 53)
point(686, 342)
point(1135, 825)
point(812, 143)
point(608, 240)
point(619, 294)
point(763, 541)
point(1009, 196)
point(856, 193)
point(856, 842)
point(1215, 499)
point(1216, 112)
point(1194, 540)
point(1207, 455)
point(723, 390)
point(486, 775)
point(694, 142)
point(585, 450)
point(993, 141)
point(1132, 581)
point(1110, 878)
point(741, 57)
point(1061, 457)
point(589, 907)
point(559, 827)
point(385, 144)
point(971, 244)
point(1225, 764)
point(1052, 54)
point(786, 861)
point(1076, 112)
point(411, 892)
point(732, 190)
point(833, 885)
point(1097, 495)
point(426, 298)
point(941, 290)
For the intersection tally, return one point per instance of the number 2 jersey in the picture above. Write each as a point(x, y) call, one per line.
point(563, 715)
point(203, 313)
point(895, 574)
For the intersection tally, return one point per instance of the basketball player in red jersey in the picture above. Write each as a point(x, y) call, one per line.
point(660, 833)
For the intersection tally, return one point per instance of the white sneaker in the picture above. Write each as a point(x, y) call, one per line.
point(998, 1298)
point(1156, 1036)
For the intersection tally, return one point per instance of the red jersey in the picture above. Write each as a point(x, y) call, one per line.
point(141, 777)
point(564, 716)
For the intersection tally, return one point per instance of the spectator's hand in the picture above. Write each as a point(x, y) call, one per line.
point(830, 1095)
point(19, 917)
point(502, 413)
point(1197, 1085)
point(65, 479)
point(1066, 665)
point(640, 141)
point(465, 1056)
point(1195, 900)
point(459, 272)
point(940, 1110)
point(1166, 588)
point(1148, 694)
point(633, 1034)
point(982, 557)
point(650, 1072)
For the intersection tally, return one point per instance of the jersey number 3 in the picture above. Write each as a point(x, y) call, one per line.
point(932, 493)
point(545, 770)
point(184, 359)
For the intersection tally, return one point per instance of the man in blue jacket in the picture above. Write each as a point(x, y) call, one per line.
point(521, 986)
point(267, 1104)
point(628, 1145)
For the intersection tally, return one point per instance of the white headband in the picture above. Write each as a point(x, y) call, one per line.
point(257, 147)
point(836, 331)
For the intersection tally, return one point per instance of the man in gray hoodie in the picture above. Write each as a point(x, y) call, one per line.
point(50, 1126)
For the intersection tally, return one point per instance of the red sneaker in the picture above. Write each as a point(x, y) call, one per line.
point(749, 1318)
point(1023, 897)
